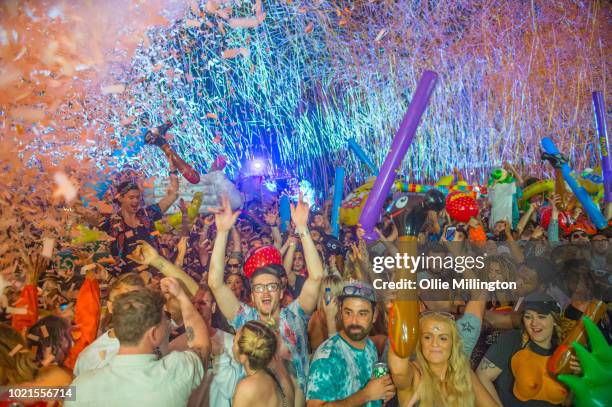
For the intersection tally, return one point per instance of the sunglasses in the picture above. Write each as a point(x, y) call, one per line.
point(271, 287)
point(600, 272)
point(440, 313)
point(357, 290)
point(233, 266)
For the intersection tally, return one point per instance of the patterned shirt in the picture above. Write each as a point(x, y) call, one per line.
point(126, 237)
point(336, 356)
point(293, 327)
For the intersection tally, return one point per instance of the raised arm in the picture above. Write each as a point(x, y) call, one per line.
point(487, 372)
point(388, 241)
point(181, 246)
point(181, 251)
point(482, 395)
point(225, 219)
point(196, 331)
point(273, 220)
point(525, 218)
point(512, 170)
point(478, 298)
point(146, 254)
point(236, 241)
point(288, 260)
point(172, 193)
point(553, 225)
point(402, 371)
point(515, 250)
point(310, 291)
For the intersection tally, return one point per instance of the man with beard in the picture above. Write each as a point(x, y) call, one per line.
point(352, 352)
point(290, 322)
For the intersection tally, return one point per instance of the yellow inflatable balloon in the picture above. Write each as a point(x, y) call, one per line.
point(592, 181)
point(87, 235)
point(445, 181)
point(540, 187)
point(176, 219)
point(351, 207)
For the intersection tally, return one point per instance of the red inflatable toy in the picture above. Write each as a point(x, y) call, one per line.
point(264, 256)
point(461, 206)
point(565, 220)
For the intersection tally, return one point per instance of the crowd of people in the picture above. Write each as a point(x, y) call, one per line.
point(233, 309)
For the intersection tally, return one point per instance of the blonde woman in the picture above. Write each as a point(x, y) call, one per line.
point(322, 324)
point(441, 374)
point(255, 346)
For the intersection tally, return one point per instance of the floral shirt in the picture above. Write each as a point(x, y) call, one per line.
point(293, 327)
point(336, 356)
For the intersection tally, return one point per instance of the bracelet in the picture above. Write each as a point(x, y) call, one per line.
point(303, 233)
point(174, 172)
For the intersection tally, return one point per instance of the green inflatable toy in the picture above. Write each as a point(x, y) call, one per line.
point(594, 388)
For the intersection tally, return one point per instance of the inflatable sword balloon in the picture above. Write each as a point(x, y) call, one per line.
point(585, 200)
point(604, 144)
point(403, 312)
point(403, 138)
point(337, 201)
point(363, 157)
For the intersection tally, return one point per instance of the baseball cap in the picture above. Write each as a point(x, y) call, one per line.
point(358, 289)
point(541, 303)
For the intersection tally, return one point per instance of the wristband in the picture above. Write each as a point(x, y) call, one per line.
point(174, 172)
point(302, 233)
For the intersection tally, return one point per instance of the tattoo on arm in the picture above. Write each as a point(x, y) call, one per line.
point(487, 364)
point(201, 352)
point(190, 334)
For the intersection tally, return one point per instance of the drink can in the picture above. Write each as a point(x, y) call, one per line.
point(380, 369)
point(327, 295)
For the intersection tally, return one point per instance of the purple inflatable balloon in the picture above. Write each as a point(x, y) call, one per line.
point(403, 138)
point(604, 145)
